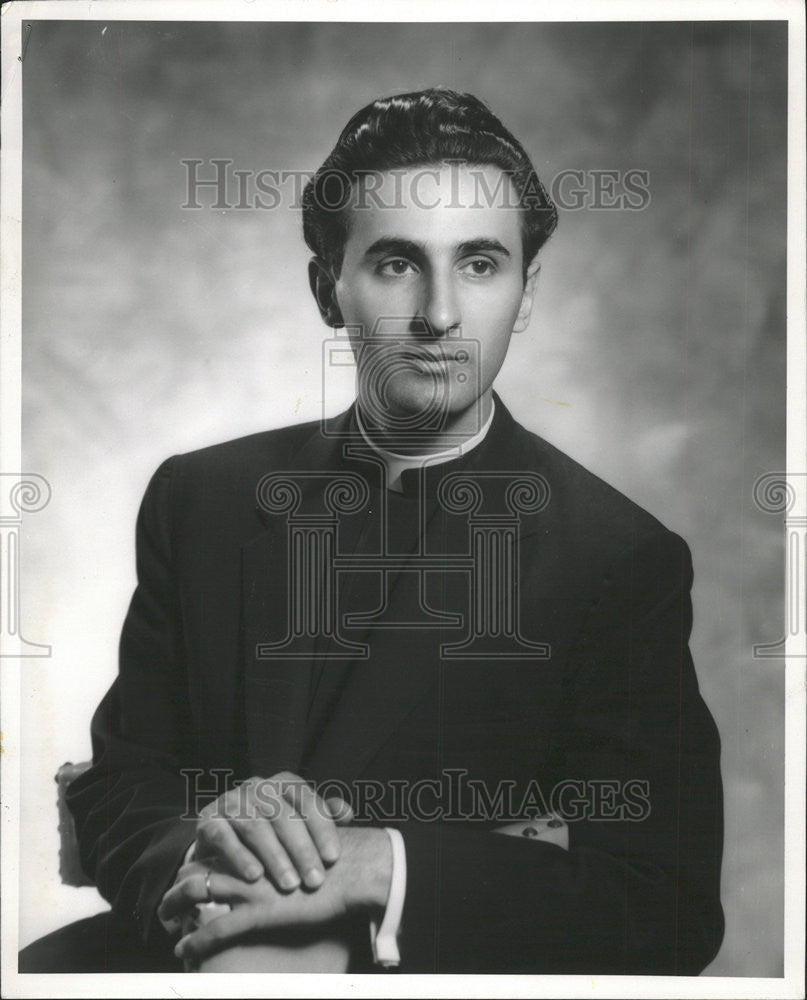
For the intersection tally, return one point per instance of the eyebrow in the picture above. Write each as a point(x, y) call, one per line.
point(417, 250)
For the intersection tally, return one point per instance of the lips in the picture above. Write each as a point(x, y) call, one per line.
point(436, 361)
point(427, 357)
point(428, 364)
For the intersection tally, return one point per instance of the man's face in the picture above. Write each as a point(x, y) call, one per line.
point(444, 261)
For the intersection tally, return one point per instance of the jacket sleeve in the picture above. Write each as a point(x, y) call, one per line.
point(129, 806)
point(638, 891)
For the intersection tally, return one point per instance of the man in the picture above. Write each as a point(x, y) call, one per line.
point(416, 595)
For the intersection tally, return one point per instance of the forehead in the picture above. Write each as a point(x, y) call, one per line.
point(437, 204)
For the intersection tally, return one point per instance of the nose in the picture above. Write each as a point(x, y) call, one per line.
point(441, 308)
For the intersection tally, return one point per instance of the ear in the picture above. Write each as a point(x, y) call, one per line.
point(527, 297)
point(323, 288)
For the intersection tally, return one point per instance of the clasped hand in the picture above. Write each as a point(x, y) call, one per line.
point(276, 827)
point(260, 843)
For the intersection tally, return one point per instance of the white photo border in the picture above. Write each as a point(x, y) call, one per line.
point(121, 985)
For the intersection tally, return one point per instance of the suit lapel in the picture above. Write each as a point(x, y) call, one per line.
point(276, 690)
point(278, 680)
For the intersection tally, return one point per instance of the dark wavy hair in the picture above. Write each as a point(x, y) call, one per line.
point(420, 128)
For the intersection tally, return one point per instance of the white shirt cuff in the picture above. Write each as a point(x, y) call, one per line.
point(384, 939)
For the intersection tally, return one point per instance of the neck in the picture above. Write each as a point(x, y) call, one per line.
point(457, 429)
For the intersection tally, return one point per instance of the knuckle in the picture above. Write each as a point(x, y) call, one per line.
point(246, 797)
point(322, 815)
point(243, 859)
point(250, 826)
point(214, 832)
point(305, 812)
point(290, 784)
point(252, 809)
point(205, 825)
point(276, 858)
point(263, 792)
point(331, 845)
point(269, 804)
point(218, 807)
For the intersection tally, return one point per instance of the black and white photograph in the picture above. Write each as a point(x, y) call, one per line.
point(403, 507)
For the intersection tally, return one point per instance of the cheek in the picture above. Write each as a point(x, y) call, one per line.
point(363, 299)
point(498, 303)
point(490, 320)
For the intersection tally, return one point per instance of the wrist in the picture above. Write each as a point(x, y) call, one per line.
point(367, 856)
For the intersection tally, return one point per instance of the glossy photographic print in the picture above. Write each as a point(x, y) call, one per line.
point(403, 499)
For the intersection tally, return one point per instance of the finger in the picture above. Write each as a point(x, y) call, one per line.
point(318, 819)
point(192, 868)
point(198, 888)
point(217, 839)
point(272, 798)
point(293, 834)
point(217, 809)
point(259, 836)
point(225, 805)
point(218, 933)
point(341, 811)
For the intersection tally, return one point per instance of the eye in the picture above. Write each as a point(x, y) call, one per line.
point(479, 267)
point(397, 267)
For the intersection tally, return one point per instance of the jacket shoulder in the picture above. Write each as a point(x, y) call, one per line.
point(587, 506)
point(223, 477)
point(276, 445)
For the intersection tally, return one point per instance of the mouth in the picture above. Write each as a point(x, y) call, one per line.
point(427, 359)
point(434, 367)
point(436, 361)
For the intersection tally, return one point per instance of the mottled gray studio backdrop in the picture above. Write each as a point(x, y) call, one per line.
point(656, 354)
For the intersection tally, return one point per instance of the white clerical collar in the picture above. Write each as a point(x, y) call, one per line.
point(397, 464)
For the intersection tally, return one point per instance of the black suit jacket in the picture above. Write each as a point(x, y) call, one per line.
point(610, 728)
